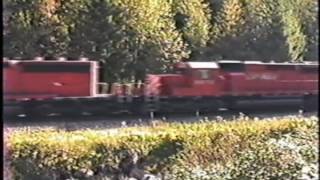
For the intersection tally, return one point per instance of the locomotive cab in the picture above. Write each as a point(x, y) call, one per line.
point(234, 74)
point(201, 79)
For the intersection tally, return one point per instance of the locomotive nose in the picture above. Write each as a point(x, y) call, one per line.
point(153, 85)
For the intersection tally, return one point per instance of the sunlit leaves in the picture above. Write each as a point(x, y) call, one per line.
point(294, 15)
point(194, 17)
point(185, 145)
point(136, 37)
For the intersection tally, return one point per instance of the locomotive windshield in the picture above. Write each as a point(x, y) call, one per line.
point(232, 67)
point(181, 71)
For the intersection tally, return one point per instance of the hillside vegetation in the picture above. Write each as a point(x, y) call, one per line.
point(135, 37)
point(245, 149)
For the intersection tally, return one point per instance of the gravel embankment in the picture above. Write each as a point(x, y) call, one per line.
point(90, 122)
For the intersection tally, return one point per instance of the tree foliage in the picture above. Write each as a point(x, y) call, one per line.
point(155, 36)
point(134, 37)
point(193, 21)
point(294, 14)
point(33, 29)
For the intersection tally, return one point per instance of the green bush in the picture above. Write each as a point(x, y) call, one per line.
point(167, 148)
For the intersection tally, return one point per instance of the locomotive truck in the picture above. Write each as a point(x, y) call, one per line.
point(70, 87)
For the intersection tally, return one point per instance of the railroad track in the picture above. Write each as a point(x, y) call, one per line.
point(96, 122)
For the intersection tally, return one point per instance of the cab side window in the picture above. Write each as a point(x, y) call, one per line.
point(204, 74)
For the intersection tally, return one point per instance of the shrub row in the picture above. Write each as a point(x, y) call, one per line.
point(175, 150)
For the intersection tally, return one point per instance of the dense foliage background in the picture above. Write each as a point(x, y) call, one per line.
point(135, 37)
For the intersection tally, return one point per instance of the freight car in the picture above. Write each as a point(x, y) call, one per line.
point(70, 87)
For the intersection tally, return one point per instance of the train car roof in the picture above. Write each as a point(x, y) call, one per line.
point(266, 63)
point(40, 60)
point(215, 65)
point(230, 61)
point(281, 63)
point(198, 65)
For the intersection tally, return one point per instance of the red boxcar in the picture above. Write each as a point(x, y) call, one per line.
point(37, 79)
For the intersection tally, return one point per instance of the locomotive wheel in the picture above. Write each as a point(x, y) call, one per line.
point(66, 107)
point(44, 110)
point(230, 103)
point(310, 102)
point(12, 110)
point(32, 109)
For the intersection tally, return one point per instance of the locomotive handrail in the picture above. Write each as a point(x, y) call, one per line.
point(127, 89)
point(62, 59)
point(83, 59)
point(38, 58)
point(104, 87)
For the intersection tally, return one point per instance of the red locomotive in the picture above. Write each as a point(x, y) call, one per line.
point(235, 78)
point(65, 86)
